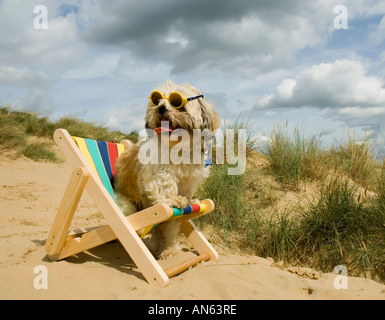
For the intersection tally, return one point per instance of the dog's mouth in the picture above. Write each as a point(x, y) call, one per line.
point(165, 126)
point(160, 130)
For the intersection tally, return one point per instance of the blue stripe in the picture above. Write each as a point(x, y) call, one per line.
point(103, 149)
point(187, 210)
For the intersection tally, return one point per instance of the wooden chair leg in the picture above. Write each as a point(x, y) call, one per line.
point(68, 205)
point(200, 243)
point(198, 240)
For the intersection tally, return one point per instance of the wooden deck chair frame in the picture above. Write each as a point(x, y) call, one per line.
point(61, 243)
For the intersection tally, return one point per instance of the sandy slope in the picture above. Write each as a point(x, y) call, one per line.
point(30, 194)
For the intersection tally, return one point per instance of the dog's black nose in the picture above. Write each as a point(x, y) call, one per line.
point(162, 110)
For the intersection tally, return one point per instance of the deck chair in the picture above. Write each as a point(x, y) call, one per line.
point(94, 163)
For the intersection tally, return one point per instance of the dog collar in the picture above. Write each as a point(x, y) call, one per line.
point(207, 154)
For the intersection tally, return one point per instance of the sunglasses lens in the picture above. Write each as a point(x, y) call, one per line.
point(176, 100)
point(155, 97)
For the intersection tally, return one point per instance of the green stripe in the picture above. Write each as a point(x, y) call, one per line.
point(177, 212)
point(95, 154)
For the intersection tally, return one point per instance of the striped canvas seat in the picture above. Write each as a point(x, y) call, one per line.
point(102, 155)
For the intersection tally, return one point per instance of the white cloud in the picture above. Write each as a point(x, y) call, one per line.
point(286, 88)
point(362, 8)
point(99, 66)
point(378, 35)
point(126, 118)
point(23, 77)
point(342, 89)
point(37, 100)
point(32, 61)
point(175, 37)
point(20, 43)
point(239, 38)
point(341, 84)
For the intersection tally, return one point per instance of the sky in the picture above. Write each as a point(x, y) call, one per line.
point(319, 64)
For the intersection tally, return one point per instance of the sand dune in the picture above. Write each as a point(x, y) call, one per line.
point(30, 194)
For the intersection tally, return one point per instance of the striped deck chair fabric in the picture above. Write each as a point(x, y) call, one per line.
point(102, 155)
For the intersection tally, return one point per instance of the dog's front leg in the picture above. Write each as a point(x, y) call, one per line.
point(163, 188)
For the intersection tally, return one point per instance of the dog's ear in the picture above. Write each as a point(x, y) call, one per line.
point(210, 118)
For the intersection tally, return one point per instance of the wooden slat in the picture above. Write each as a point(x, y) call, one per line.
point(175, 270)
point(104, 234)
point(210, 206)
point(126, 234)
point(79, 232)
point(67, 207)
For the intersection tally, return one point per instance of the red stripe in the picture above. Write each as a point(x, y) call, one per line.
point(113, 153)
point(195, 208)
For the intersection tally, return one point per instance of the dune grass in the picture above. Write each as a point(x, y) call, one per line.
point(92, 131)
point(11, 138)
point(18, 127)
point(343, 223)
point(356, 158)
point(226, 192)
point(294, 158)
point(337, 229)
point(38, 151)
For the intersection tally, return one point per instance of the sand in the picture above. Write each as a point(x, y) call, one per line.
point(30, 193)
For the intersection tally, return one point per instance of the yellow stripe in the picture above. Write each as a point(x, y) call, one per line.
point(203, 207)
point(84, 150)
point(145, 231)
point(120, 148)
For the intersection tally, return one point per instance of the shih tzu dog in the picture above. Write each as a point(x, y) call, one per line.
point(178, 119)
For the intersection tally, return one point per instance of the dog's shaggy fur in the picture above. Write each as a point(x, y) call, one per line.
point(140, 186)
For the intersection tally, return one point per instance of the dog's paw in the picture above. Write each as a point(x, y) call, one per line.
point(195, 201)
point(177, 202)
point(170, 252)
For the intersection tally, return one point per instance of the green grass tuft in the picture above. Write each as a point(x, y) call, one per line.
point(226, 192)
point(38, 151)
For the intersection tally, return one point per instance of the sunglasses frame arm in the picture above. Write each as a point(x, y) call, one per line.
point(196, 97)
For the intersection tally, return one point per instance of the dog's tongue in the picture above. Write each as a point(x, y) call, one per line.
point(161, 129)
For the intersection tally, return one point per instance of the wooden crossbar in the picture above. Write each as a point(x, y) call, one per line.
point(179, 268)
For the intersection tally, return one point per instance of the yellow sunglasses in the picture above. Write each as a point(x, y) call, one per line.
point(175, 99)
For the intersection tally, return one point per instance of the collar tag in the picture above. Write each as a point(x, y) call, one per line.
point(207, 155)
